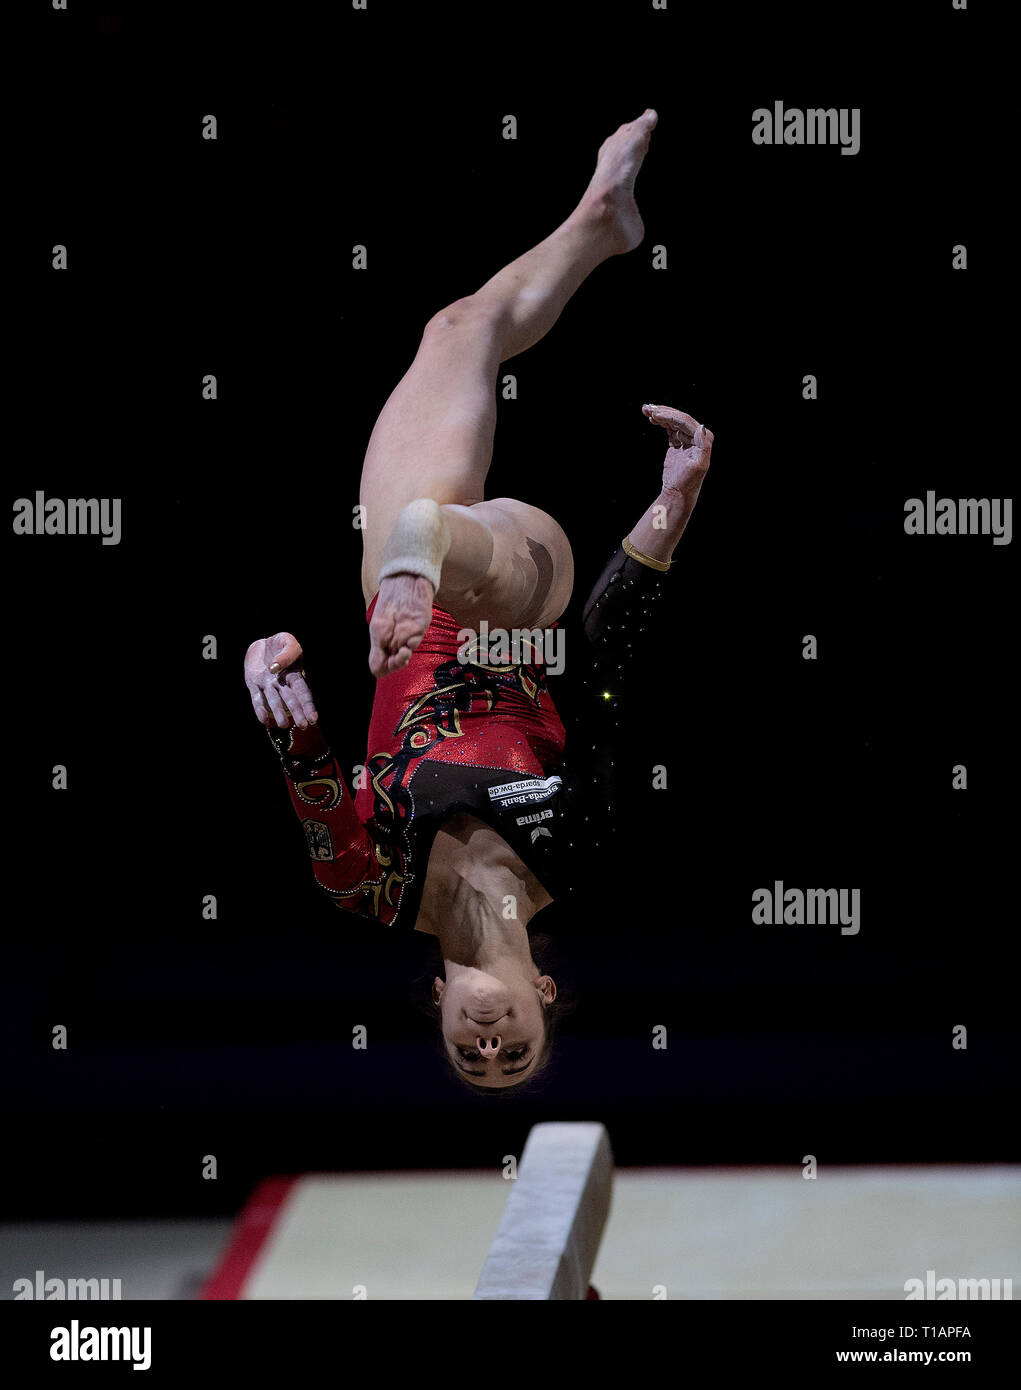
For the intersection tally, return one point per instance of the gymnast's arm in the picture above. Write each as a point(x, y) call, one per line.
point(356, 871)
point(634, 575)
point(617, 621)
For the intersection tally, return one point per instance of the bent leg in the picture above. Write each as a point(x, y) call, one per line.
point(434, 436)
point(529, 573)
point(503, 562)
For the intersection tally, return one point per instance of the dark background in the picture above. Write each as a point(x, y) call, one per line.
point(383, 128)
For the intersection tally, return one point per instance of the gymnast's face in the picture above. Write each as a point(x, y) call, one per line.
point(493, 1027)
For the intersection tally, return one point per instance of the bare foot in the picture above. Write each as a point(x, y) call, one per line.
point(612, 187)
point(403, 612)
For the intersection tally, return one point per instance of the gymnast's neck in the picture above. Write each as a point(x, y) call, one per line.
point(478, 896)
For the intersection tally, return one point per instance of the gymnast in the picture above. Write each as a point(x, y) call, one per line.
point(466, 819)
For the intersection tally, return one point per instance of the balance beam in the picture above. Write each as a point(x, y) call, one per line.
point(548, 1237)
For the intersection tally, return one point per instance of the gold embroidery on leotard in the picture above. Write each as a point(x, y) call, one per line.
point(328, 784)
point(411, 713)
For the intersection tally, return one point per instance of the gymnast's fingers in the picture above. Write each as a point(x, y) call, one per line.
point(259, 705)
point(271, 692)
point(292, 703)
point(297, 684)
point(379, 659)
point(283, 650)
point(672, 420)
point(703, 443)
point(399, 659)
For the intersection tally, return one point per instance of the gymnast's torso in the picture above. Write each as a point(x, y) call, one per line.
point(459, 744)
point(455, 746)
point(467, 755)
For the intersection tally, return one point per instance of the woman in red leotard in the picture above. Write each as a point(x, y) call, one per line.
point(462, 819)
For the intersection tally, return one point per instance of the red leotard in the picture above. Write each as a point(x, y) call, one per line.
point(475, 736)
point(485, 722)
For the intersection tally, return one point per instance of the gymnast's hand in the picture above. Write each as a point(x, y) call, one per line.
point(277, 684)
point(687, 458)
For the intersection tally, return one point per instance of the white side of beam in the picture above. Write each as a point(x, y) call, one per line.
point(551, 1227)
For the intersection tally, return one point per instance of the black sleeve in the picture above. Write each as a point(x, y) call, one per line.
point(617, 621)
point(618, 612)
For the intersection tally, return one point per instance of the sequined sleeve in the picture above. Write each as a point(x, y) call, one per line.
point(617, 619)
point(358, 870)
point(619, 610)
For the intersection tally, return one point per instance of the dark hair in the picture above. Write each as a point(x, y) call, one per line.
point(540, 946)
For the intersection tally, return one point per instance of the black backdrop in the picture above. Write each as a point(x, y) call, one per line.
point(234, 257)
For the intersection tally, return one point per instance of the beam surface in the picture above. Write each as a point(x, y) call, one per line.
point(548, 1237)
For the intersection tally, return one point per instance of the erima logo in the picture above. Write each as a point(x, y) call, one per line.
point(540, 830)
point(816, 126)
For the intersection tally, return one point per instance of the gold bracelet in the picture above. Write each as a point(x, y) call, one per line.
point(644, 559)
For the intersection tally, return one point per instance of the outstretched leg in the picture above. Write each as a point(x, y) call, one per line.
point(434, 437)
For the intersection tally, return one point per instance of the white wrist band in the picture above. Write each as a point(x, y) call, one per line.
point(418, 542)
